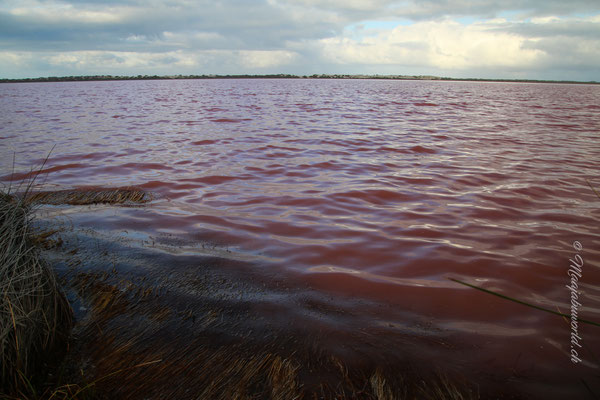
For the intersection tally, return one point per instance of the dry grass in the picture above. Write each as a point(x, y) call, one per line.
point(379, 387)
point(35, 317)
point(127, 360)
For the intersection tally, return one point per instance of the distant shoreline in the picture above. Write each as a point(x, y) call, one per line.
point(278, 76)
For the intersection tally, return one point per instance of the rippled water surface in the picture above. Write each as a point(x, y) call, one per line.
point(373, 191)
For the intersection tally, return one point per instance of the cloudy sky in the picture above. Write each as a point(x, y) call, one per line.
point(540, 39)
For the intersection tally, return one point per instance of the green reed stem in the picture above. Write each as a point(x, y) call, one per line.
point(523, 302)
point(591, 187)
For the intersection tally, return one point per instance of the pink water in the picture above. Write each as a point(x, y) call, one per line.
point(376, 191)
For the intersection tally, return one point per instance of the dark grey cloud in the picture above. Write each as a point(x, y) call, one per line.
point(490, 8)
point(248, 25)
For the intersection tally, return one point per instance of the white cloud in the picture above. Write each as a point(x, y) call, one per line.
point(83, 61)
point(362, 5)
point(191, 39)
point(446, 45)
point(166, 63)
point(266, 59)
point(544, 20)
point(67, 13)
point(15, 59)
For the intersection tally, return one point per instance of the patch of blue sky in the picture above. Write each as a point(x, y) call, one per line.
point(467, 20)
point(385, 24)
point(587, 14)
point(373, 28)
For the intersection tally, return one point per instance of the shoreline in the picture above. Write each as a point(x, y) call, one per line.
point(95, 78)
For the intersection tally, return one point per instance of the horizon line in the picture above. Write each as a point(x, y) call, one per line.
point(71, 78)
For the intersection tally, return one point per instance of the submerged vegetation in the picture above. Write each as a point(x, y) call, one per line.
point(113, 353)
point(137, 341)
point(142, 347)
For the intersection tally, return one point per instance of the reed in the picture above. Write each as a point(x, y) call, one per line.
point(502, 296)
point(35, 317)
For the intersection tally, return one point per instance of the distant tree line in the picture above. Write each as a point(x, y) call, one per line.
point(269, 76)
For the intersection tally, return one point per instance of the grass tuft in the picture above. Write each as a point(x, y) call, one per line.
point(35, 317)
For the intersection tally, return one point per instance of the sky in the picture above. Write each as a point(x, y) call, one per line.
point(509, 39)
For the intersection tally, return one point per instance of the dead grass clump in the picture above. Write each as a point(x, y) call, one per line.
point(440, 386)
point(90, 196)
point(123, 351)
point(283, 380)
point(380, 389)
point(35, 317)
